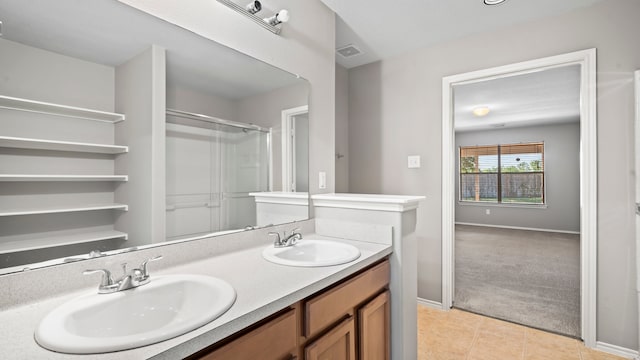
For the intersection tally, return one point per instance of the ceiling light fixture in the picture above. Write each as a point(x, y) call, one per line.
point(493, 2)
point(481, 111)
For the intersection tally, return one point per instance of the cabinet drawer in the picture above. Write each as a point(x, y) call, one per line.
point(333, 304)
point(275, 340)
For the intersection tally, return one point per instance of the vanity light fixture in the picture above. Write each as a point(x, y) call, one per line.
point(254, 7)
point(280, 17)
point(493, 2)
point(481, 111)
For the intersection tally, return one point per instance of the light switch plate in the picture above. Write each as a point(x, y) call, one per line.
point(413, 161)
point(322, 180)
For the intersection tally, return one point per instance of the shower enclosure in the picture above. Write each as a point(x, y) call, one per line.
point(212, 166)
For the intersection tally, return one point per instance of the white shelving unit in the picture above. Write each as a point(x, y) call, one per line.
point(41, 144)
point(11, 244)
point(33, 233)
point(12, 103)
point(57, 210)
point(42, 177)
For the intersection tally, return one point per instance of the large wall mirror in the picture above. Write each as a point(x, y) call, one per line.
point(121, 131)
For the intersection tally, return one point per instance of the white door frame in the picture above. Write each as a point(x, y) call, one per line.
point(588, 174)
point(288, 146)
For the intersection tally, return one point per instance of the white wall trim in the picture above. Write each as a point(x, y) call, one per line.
point(617, 350)
point(431, 304)
point(379, 202)
point(520, 228)
point(288, 166)
point(588, 174)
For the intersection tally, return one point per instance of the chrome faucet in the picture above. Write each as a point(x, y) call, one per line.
point(285, 240)
point(129, 279)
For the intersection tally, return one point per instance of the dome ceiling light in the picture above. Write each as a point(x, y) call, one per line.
point(481, 111)
point(493, 2)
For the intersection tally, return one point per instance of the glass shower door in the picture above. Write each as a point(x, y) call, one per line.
point(246, 170)
point(211, 169)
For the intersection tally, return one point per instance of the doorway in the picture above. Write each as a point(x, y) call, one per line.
point(585, 60)
point(295, 149)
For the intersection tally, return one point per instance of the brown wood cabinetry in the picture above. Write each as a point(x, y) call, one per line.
point(333, 304)
point(374, 328)
point(337, 344)
point(274, 340)
point(349, 320)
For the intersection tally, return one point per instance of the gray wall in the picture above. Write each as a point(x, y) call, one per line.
point(395, 111)
point(27, 73)
point(185, 99)
point(342, 129)
point(305, 47)
point(141, 94)
point(562, 179)
point(302, 152)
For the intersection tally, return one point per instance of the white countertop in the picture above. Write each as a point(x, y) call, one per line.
point(262, 289)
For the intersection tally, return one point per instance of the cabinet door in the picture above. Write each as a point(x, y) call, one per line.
point(337, 344)
point(373, 328)
point(331, 305)
point(275, 340)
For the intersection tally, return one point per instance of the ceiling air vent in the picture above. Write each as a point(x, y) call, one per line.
point(348, 51)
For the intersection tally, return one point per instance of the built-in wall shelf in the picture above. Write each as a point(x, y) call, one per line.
point(7, 102)
point(12, 244)
point(66, 218)
point(62, 209)
point(40, 144)
point(24, 178)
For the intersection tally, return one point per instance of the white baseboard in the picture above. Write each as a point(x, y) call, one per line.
point(520, 228)
point(617, 350)
point(430, 304)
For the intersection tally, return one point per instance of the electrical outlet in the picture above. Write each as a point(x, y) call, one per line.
point(487, 211)
point(413, 161)
point(322, 180)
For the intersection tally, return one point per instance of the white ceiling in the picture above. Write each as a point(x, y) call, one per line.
point(110, 33)
point(542, 97)
point(384, 28)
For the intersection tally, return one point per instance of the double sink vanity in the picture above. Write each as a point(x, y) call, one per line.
point(194, 310)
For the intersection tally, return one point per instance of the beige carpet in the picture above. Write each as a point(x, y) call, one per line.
point(527, 277)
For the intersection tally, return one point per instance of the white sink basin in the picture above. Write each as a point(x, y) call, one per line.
point(166, 307)
point(312, 252)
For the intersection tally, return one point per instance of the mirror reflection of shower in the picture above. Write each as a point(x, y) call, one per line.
point(212, 166)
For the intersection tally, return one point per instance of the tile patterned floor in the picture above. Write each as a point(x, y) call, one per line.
point(460, 335)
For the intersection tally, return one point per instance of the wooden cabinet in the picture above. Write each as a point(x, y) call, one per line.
point(274, 340)
point(373, 329)
point(364, 301)
point(333, 304)
point(347, 321)
point(337, 344)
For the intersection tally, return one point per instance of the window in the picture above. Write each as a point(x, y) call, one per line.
point(512, 173)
